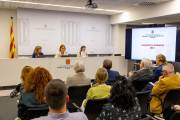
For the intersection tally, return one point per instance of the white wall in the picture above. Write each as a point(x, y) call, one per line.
point(119, 33)
point(5, 25)
point(140, 13)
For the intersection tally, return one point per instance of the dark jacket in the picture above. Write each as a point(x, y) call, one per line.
point(110, 112)
point(19, 88)
point(27, 101)
point(111, 76)
point(157, 73)
point(141, 75)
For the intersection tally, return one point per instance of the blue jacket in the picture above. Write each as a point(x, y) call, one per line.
point(111, 76)
point(157, 73)
point(34, 55)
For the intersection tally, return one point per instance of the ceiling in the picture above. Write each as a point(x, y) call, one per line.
point(175, 18)
point(119, 5)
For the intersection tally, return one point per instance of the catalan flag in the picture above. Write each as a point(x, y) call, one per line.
point(12, 43)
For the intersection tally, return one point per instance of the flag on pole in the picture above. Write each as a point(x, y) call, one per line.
point(12, 43)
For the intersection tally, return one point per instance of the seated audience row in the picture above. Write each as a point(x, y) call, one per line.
point(34, 85)
point(122, 101)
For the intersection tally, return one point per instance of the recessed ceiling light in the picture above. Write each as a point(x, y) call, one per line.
point(58, 5)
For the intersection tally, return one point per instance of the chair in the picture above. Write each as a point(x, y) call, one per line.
point(109, 84)
point(142, 97)
point(175, 116)
point(92, 80)
point(172, 98)
point(77, 94)
point(94, 108)
point(139, 85)
point(36, 112)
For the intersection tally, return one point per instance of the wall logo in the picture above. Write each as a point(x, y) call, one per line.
point(67, 61)
point(45, 28)
point(70, 32)
point(152, 35)
point(93, 30)
point(67, 65)
point(23, 32)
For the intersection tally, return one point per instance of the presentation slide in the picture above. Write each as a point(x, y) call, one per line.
point(149, 42)
point(50, 29)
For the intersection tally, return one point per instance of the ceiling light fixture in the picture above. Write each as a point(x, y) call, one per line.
point(148, 23)
point(57, 5)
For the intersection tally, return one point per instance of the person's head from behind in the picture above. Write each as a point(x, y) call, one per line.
point(160, 59)
point(83, 48)
point(36, 81)
point(122, 93)
point(101, 76)
point(79, 66)
point(25, 71)
point(62, 48)
point(168, 69)
point(107, 64)
point(145, 64)
point(37, 50)
point(56, 95)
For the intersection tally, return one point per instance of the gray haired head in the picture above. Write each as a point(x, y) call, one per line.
point(147, 63)
point(79, 66)
point(168, 67)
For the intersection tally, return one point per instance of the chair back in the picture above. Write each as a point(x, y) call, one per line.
point(172, 98)
point(139, 85)
point(77, 94)
point(175, 116)
point(92, 80)
point(36, 112)
point(94, 107)
point(142, 97)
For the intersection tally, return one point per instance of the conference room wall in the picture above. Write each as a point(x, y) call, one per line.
point(119, 32)
point(5, 24)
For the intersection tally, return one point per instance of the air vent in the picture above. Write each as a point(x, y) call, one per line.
point(146, 3)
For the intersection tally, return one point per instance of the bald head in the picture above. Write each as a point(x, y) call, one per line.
point(107, 64)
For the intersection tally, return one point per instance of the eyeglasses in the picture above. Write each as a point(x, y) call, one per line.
point(163, 71)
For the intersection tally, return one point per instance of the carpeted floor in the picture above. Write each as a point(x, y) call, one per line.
point(8, 108)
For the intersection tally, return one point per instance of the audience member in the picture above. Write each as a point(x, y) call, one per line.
point(123, 104)
point(107, 64)
point(144, 74)
point(100, 89)
point(167, 81)
point(56, 97)
point(160, 61)
point(34, 86)
point(79, 78)
point(20, 87)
